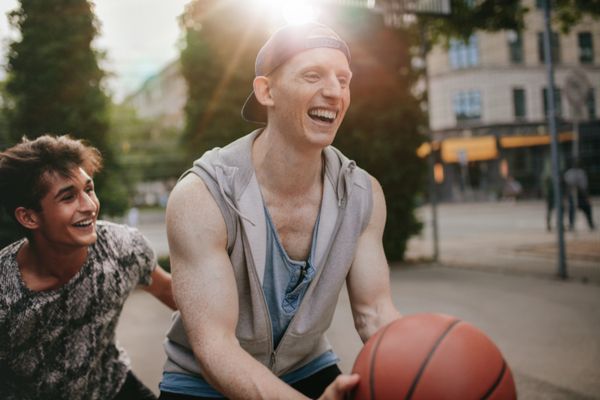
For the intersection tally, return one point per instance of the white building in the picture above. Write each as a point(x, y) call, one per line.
point(487, 104)
point(162, 97)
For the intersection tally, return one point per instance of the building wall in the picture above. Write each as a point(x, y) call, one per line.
point(495, 76)
point(162, 97)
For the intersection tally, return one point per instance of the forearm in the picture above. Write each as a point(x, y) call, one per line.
point(237, 375)
point(161, 287)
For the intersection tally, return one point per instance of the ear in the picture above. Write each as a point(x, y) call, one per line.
point(27, 217)
point(262, 90)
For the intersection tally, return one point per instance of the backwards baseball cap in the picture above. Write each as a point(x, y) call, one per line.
point(283, 45)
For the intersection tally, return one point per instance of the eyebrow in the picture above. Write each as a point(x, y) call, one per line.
point(69, 188)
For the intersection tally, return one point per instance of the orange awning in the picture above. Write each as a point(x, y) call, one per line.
point(508, 142)
point(469, 149)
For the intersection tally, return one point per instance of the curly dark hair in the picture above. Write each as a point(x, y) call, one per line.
point(24, 166)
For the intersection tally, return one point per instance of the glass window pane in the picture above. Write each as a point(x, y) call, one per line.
point(519, 103)
point(463, 55)
point(591, 105)
point(586, 48)
point(557, 102)
point(515, 44)
point(554, 47)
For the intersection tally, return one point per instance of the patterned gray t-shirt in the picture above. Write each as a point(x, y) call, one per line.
point(60, 344)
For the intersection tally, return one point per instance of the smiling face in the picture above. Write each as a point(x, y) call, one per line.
point(68, 211)
point(310, 94)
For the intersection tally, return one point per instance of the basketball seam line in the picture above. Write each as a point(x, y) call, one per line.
point(426, 361)
point(497, 382)
point(372, 363)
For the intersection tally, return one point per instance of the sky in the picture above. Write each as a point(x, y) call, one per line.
point(140, 37)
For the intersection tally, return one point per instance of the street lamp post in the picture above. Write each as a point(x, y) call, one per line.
point(562, 264)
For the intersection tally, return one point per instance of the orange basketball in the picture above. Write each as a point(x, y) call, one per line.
point(431, 356)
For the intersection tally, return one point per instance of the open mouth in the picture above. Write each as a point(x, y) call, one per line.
point(322, 115)
point(84, 224)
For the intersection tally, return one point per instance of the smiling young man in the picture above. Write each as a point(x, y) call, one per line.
point(264, 233)
point(64, 284)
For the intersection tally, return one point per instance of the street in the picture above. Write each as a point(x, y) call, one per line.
point(497, 272)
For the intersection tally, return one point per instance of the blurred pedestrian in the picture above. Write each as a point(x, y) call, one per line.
point(65, 282)
point(133, 217)
point(576, 181)
point(512, 188)
point(548, 187)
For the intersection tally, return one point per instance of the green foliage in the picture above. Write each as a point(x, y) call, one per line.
point(54, 84)
point(570, 12)
point(469, 16)
point(218, 65)
point(381, 129)
point(148, 149)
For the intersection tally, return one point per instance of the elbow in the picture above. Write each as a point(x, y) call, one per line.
point(367, 324)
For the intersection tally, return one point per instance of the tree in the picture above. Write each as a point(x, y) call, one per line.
point(218, 65)
point(54, 83)
point(469, 16)
point(382, 129)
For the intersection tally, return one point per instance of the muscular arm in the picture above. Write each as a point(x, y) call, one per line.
point(205, 290)
point(369, 280)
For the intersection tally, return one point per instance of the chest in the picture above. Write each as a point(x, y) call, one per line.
point(294, 220)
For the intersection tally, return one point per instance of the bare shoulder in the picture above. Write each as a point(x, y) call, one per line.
point(193, 214)
point(378, 215)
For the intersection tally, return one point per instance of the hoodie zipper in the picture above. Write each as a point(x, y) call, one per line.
point(273, 360)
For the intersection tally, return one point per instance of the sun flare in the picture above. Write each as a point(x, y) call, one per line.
point(293, 11)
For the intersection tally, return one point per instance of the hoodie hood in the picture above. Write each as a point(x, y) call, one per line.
point(231, 170)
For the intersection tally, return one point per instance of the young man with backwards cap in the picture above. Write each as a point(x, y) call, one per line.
point(264, 232)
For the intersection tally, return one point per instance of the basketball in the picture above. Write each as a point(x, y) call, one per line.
point(431, 356)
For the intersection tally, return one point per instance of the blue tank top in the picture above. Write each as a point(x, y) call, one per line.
point(285, 281)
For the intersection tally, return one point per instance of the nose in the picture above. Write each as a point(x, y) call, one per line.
point(88, 202)
point(333, 88)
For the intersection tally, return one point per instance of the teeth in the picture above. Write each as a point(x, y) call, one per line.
point(84, 223)
point(323, 113)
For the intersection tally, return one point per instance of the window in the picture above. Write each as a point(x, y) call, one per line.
point(591, 105)
point(554, 47)
point(586, 47)
point(467, 106)
point(464, 55)
point(557, 102)
point(520, 110)
point(515, 45)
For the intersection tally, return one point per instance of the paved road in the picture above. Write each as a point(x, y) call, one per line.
point(547, 329)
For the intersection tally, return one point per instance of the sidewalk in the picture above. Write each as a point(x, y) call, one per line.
point(508, 237)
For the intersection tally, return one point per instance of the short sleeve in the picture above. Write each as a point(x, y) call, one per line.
point(143, 256)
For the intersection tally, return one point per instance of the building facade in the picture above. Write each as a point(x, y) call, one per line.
point(488, 107)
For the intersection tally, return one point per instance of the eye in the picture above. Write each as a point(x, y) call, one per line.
point(344, 81)
point(311, 76)
point(68, 197)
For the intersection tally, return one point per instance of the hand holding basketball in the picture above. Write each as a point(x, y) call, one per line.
point(340, 387)
point(431, 356)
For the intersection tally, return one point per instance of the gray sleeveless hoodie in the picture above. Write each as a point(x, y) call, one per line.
point(345, 212)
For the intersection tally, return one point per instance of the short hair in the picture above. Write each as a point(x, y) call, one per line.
point(24, 167)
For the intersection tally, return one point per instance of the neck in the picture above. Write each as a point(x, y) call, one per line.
point(283, 167)
point(44, 267)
